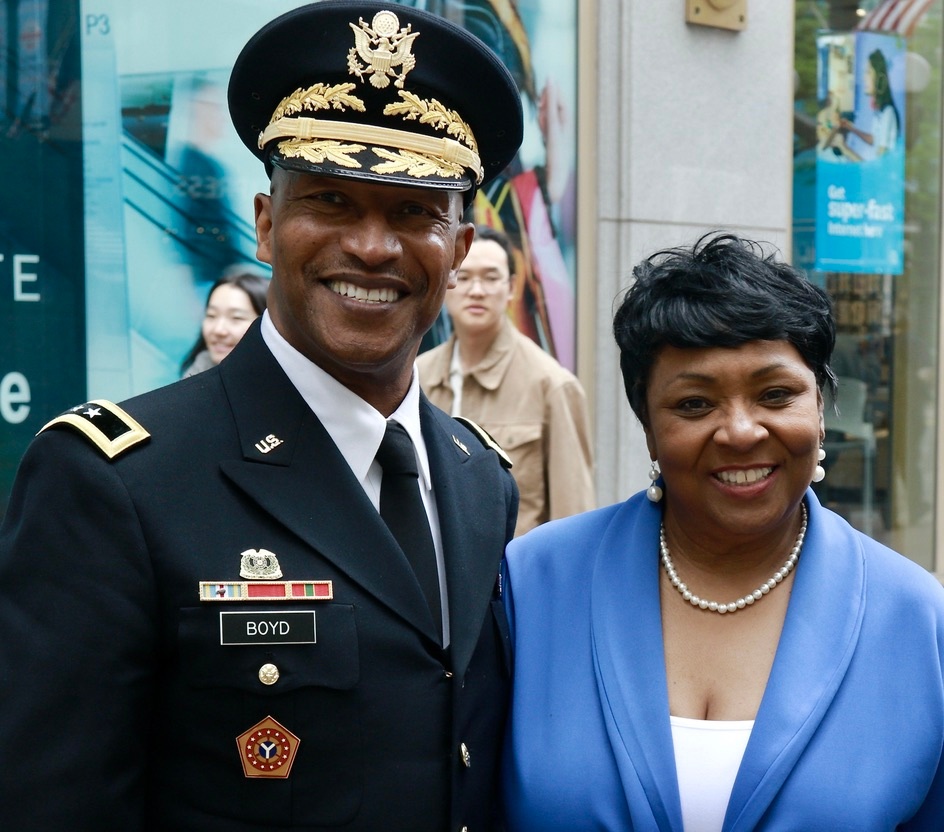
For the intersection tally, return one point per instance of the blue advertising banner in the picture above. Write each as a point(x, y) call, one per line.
point(860, 157)
point(42, 341)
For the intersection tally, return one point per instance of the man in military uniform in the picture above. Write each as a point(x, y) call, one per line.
point(209, 621)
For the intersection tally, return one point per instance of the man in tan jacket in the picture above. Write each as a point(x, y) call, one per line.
point(489, 372)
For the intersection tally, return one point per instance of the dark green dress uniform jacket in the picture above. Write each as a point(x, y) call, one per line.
point(119, 706)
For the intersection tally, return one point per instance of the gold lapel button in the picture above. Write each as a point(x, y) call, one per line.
point(268, 674)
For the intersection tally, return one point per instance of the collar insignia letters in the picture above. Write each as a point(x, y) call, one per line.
point(267, 444)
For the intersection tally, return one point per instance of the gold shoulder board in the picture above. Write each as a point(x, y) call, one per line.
point(108, 427)
point(486, 439)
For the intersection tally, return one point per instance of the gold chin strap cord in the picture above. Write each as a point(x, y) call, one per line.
point(314, 128)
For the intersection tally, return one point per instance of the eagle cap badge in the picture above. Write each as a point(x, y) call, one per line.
point(259, 564)
point(384, 46)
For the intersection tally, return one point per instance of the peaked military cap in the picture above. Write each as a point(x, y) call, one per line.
point(376, 91)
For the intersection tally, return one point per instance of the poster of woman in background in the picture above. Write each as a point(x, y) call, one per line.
point(886, 121)
point(860, 158)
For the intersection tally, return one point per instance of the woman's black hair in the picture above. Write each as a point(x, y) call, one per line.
point(883, 87)
point(722, 292)
point(254, 285)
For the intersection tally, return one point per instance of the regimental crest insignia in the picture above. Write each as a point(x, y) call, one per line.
point(267, 749)
point(259, 565)
point(384, 50)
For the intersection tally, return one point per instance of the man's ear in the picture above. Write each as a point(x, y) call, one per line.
point(464, 236)
point(262, 204)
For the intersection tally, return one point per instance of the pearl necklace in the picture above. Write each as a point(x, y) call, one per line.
point(744, 601)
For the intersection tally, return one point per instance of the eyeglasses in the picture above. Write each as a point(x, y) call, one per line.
point(489, 282)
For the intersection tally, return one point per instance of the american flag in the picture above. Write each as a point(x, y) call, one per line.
point(898, 17)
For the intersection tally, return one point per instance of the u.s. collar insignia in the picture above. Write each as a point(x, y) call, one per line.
point(259, 564)
point(461, 445)
point(267, 749)
point(268, 443)
point(383, 45)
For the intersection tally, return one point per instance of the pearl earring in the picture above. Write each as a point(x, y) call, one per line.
point(653, 492)
point(819, 472)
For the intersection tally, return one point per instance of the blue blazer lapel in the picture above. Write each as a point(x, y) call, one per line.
point(817, 643)
point(293, 470)
point(630, 666)
point(470, 500)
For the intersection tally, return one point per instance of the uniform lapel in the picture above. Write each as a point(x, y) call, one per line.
point(817, 643)
point(472, 514)
point(292, 469)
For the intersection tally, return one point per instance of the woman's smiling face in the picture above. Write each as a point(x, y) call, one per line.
point(229, 312)
point(736, 433)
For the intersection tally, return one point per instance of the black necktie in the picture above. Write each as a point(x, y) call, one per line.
point(401, 507)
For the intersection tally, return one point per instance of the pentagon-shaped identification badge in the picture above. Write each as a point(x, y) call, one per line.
point(267, 749)
point(104, 424)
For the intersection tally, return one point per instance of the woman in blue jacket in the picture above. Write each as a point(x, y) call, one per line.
point(720, 652)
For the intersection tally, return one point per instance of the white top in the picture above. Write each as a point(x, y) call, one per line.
point(357, 429)
point(884, 129)
point(708, 754)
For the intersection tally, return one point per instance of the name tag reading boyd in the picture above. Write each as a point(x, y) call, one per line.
point(267, 627)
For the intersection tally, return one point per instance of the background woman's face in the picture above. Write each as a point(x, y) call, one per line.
point(736, 433)
point(229, 313)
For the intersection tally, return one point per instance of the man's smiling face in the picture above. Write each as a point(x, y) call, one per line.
point(359, 271)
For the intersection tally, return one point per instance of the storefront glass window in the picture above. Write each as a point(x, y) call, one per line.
point(867, 221)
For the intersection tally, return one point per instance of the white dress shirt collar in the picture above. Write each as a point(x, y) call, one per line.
point(355, 426)
point(357, 429)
